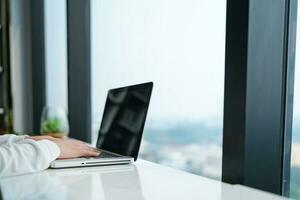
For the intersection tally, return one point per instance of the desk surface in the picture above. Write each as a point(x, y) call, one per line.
point(140, 181)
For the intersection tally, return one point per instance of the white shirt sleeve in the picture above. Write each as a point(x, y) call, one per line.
point(26, 156)
point(9, 138)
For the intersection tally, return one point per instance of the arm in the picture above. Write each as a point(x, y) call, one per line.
point(28, 156)
point(36, 153)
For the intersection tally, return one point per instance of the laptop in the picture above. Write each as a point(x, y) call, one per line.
point(121, 128)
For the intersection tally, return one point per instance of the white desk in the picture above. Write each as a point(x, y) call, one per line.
point(141, 181)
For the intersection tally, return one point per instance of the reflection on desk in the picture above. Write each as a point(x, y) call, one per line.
point(141, 181)
point(106, 182)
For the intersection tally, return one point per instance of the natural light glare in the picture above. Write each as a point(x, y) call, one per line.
point(56, 53)
point(180, 46)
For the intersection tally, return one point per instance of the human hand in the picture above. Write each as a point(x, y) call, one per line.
point(74, 149)
point(43, 137)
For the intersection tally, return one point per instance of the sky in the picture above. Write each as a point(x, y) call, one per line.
point(179, 45)
point(297, 74)
point(56, 53)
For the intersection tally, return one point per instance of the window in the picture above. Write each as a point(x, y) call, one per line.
point(56, 53)
point(180, 46)
point(295, 161)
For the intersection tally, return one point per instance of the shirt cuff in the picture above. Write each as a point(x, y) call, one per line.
point(53, 149)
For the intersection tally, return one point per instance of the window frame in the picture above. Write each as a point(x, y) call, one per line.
point(79, 69)
point(258, 109)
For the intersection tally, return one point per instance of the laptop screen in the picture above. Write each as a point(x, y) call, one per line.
point(124, 118)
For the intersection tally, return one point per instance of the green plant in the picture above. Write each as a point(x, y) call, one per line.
point(52, 126)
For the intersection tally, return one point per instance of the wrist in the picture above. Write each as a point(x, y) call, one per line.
point(53, 148)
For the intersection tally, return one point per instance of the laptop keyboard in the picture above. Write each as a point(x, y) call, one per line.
point(104, 154)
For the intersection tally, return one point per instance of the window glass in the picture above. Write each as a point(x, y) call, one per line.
point(180, 46)
point(56, 53)
point(295, 162)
